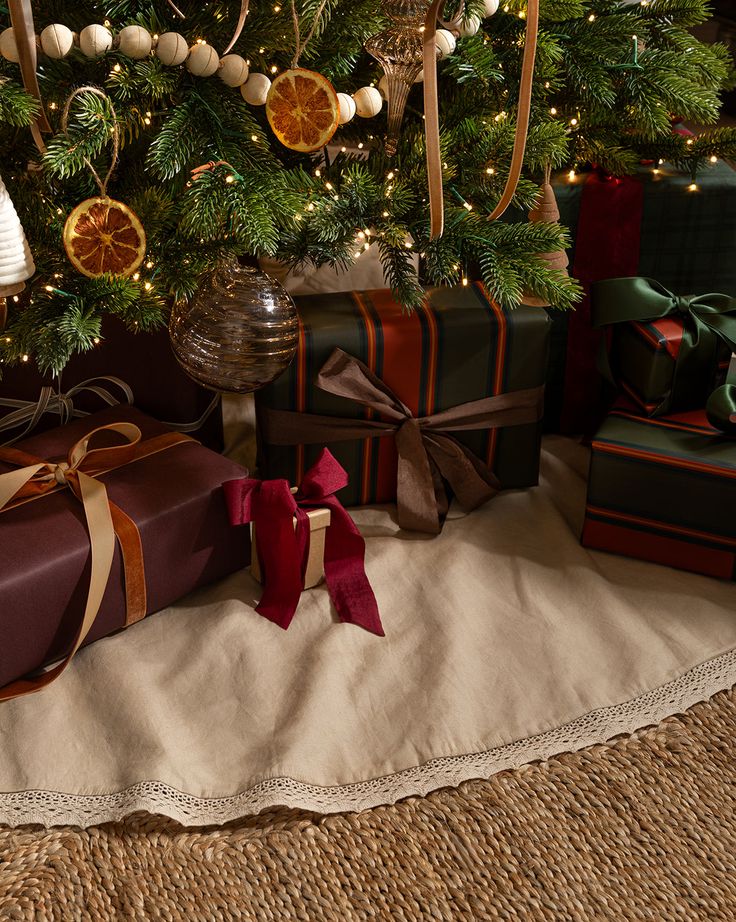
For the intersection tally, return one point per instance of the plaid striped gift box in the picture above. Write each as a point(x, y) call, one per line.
point(458, 347)
point(663, 490)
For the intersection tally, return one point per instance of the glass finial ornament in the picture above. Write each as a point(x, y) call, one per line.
point(399, 50)
point(238, 333)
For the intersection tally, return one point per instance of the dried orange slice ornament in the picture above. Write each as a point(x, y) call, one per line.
point(102, 235)
point(303, 109)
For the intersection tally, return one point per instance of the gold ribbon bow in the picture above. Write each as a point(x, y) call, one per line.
point(106, 522)
point(428, 454)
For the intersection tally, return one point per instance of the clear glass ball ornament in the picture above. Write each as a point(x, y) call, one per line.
point(238, 333)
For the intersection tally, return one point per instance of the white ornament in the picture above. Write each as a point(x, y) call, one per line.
point(347, 108)
point(446, 43)
point(172, 49)
point(8, 48)
point(468, 26)
point(16, 261)
point(491, 7)
point(134, 42)
point(57, 41)
point(233, 70)
point(368, 101)
point(95, 40)
point(255, 90)
point(203, 60)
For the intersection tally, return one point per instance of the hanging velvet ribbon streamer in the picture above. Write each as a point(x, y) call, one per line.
point(705, 318)
point(283, 549)
point(21, 19)
point(432, 118)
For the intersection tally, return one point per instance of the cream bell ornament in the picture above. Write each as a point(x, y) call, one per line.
point(255, 90)
point(95, 40)
point(134, 42)
point(172, 49)
point(57, 41)
point(16, 261)
point(203, 60)
point(368, 101)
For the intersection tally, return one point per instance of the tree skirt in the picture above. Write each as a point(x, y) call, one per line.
point(639, 830)
point(506, 643)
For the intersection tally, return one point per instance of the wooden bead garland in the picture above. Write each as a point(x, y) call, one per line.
point(95, 40)
point(172, 49)
point(57, 41)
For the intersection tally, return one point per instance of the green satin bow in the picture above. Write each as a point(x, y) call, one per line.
point(707, 319)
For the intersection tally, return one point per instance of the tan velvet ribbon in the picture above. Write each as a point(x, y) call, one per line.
point(432, 119)
point(21, 19)
point(428, 455)
point(36, 478)
point(239, 27)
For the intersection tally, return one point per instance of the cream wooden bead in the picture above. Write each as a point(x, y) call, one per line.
point(491, 7)
point(8, 48)
point(445, 42)
point(172, 49)
point(347, 108)
point(57, 41)
point(468, 26)
point(368, 101)
point(203, 60)
point(134, 42)
point(95, 40)
point(255, 90)
point(233, 70)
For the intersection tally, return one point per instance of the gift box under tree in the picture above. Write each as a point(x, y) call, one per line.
point(652, 224)
point(664, 490)
point(432, 366)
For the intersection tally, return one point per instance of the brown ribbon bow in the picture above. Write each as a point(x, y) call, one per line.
point(428, 455)
point(105, 522)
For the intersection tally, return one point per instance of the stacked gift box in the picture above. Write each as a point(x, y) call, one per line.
point(652, 224)
point(662, 483)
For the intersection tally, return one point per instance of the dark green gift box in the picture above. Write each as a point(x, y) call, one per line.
point(664, 490)
point(459, 347)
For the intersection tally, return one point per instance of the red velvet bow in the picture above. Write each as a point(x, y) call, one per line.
point(283, 549)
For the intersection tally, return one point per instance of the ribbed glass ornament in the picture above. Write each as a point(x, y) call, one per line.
point(238, 333)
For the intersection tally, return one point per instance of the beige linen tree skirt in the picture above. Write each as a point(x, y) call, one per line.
point(506, 643)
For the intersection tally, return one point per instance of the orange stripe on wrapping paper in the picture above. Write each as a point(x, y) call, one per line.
point(432, 356)
point(660, 526)
point(370, 329)
point(627, 452)
point(682, 423)
point(500, 366)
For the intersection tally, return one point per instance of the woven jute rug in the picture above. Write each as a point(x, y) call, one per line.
point(642, 828)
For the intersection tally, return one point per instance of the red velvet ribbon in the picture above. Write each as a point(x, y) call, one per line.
point(607, 246)
point(283, 549)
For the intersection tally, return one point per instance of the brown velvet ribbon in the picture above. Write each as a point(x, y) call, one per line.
point(428, 454)
point(106, 522)
point(21, 19)
point(432, 120)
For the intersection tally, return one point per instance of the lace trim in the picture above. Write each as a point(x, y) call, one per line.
point(51, 808)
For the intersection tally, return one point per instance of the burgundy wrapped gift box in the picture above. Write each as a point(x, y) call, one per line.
point(175, 498)
point(147, 365)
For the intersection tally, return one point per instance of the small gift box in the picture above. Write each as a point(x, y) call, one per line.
point(102, 522)
point(304, 533)
point(664, 490)
point(314, 571)
point(450, 394)
point(667, 353)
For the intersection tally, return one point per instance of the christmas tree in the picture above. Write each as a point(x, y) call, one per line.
point(201, 172)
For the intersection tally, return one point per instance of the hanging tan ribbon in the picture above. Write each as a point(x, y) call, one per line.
point(239, 27)
point(24, 32)
point(432, 120)
point(106, 522)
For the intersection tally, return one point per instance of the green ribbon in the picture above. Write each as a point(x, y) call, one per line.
point(707, 321)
